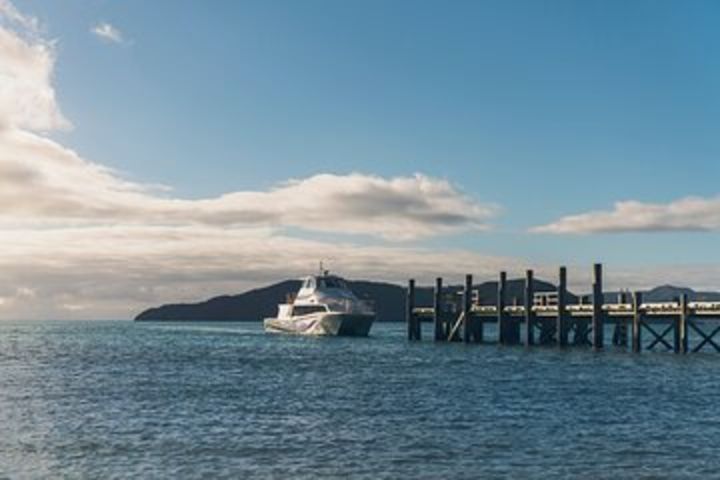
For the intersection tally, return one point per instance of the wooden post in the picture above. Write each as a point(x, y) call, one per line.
point(636, 322)
point(437, 311)
point(620, 330)
point(681, 327)
point(500, 305)
point(561, 327)
point(616, 329)
point(410, 310)
point(597, 318)
point(467, 299)
point(450, 319)
point(529, 314)
point(624, 322)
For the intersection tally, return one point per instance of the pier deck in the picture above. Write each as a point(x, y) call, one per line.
point(680, 326)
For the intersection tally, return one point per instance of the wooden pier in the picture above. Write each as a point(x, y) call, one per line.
point(651, 326)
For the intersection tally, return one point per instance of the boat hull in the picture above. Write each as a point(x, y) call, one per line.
point(323, 324)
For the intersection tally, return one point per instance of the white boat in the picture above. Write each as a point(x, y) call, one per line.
point(324, 305)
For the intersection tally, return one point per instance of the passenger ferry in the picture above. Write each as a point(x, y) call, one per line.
point(324, 305)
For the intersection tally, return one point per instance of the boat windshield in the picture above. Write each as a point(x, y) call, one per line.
point(299, 310)
point(332, 283)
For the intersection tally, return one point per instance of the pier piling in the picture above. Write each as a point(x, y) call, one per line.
point(561, 325)
point(682, 327)
point(467, 299)
point(500, 307)
point(413, 322)
point(597, 315)
point(637, 322)
point(438, 311)
point(529, 314)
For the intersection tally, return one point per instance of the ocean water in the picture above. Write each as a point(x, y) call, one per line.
point(142, 400)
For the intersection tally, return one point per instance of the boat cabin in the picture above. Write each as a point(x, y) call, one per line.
point(325, 282)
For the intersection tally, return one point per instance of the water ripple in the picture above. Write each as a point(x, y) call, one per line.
point(119, 400)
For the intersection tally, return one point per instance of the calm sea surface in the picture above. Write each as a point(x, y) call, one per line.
point(124, 400)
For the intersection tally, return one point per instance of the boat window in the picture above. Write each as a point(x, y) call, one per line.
point(306, 309)
point(310, 283)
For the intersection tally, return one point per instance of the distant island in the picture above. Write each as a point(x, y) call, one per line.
point(257, 304)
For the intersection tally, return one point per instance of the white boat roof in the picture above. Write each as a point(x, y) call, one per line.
point(312, 284)
point(325, 275)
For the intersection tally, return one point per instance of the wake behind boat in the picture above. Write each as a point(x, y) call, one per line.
point(324, 305)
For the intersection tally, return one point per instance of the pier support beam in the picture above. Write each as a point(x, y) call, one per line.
point(529, 314)
point(413, 322)
point(637, 322)
point(706, 338)
point(582, 330)
point(437, 311)
point(469, 328)
point(561, 328)
point(598, 339)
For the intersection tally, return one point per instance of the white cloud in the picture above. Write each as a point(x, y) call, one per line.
point(43, 181)
point(107, 32)
point(686, 214)
point(27, 98)
point(79, 240)
point(10, 14)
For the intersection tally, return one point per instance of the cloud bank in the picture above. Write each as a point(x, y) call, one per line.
point(59, 186)
point(116, 271)
point(687, 214)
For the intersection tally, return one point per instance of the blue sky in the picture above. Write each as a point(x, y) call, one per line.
point(546, 109)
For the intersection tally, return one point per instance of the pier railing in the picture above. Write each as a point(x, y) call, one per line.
point(680, 326)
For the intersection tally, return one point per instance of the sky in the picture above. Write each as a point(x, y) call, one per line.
point(169, 151)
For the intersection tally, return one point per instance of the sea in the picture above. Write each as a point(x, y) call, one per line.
point(117, 399)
